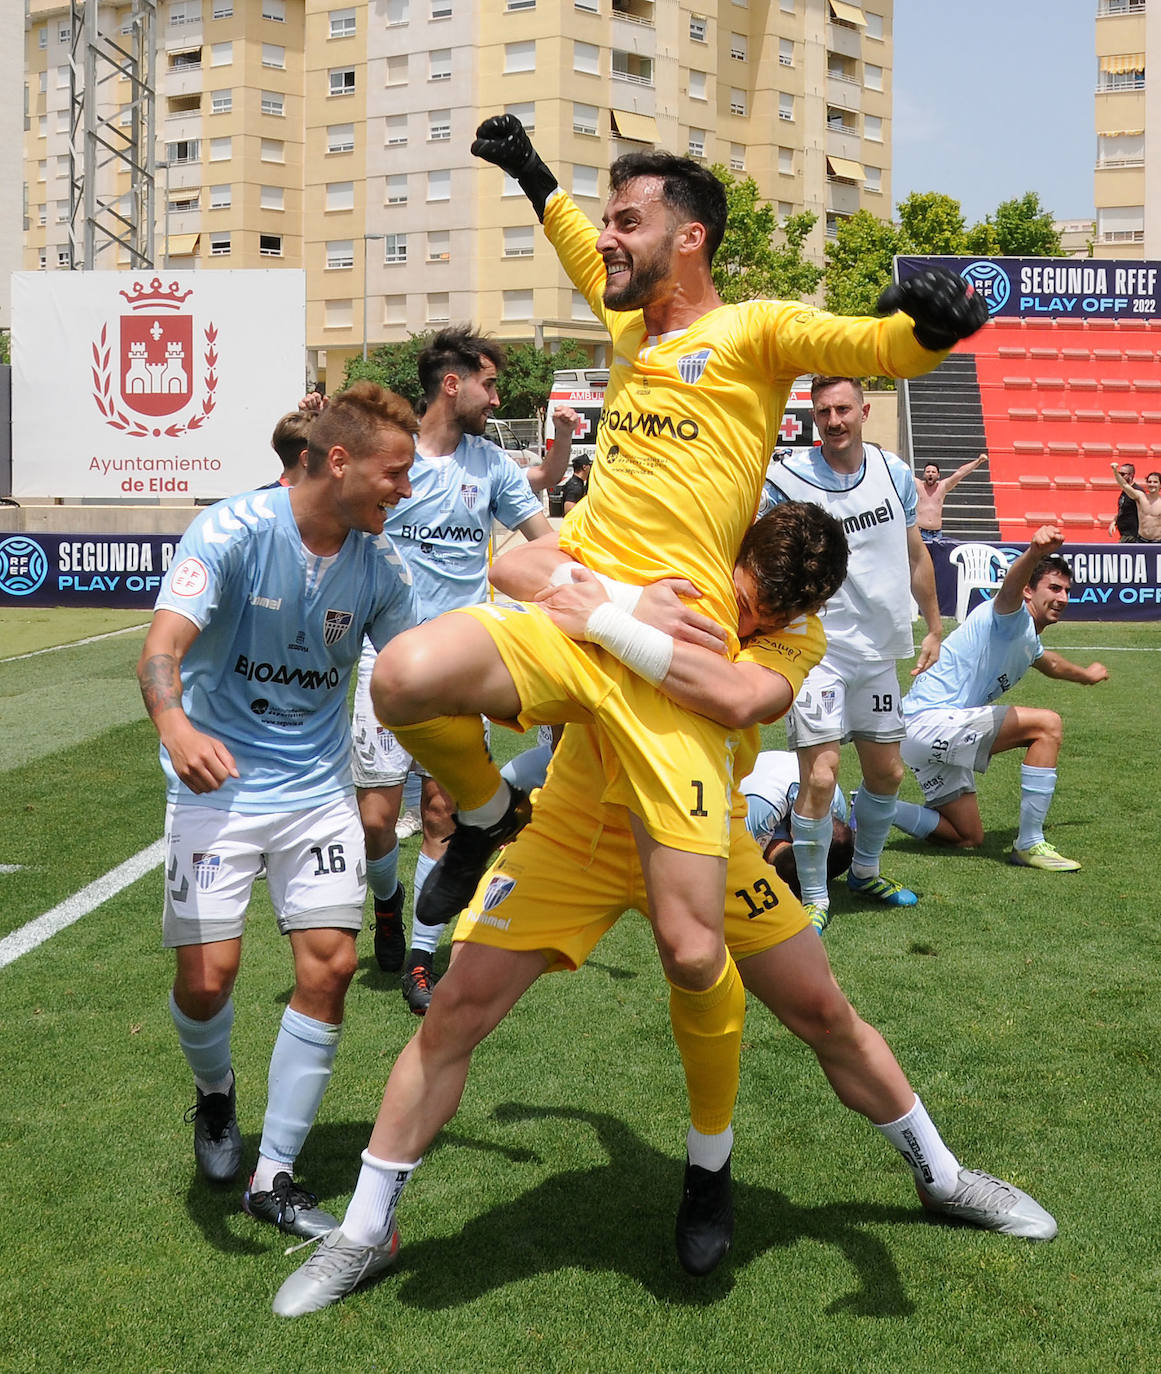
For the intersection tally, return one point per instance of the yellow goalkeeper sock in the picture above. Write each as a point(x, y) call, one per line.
point(454, 752)
point(708, 1029)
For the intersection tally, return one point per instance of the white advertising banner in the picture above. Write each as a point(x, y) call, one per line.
point(144, 385)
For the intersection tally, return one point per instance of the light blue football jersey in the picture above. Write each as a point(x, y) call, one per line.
point(770, 791)
point(442, 529)
point(280, 632)
point(978, 662)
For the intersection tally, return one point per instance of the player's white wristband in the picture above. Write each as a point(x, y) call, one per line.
point(647, 651)
point(622, 594)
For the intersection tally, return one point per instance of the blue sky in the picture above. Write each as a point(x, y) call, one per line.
point(994, 98)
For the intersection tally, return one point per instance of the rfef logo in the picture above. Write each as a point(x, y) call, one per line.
point(158, 366)
point(23, 565)
point(991, 282)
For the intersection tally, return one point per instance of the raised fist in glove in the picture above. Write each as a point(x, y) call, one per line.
point(945, 308)
point(501, 140)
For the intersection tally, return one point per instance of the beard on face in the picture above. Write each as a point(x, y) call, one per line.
point(643, 277)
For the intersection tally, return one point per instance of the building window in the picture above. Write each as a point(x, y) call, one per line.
point(396, 130)
point(221, 102)
point(1125, 73)
point(873, 128)
point(627, 66)
point(440, 65)
point(581, 310)
point(738, 48)
point(872, 76)
point(223, 9)
point(873, 181)
point(698, 27)
point(584, 118)
point(186, 201)
point(342, 80)
point(274, 9)
point(62, 211)
point(786, 6)
point(396, 70)
point(696, 143)
point(737, 157)
point(396, 190)
point(520, 5)
point(584, 181)
point(219, 245)
point(340, 195)
point(272, 198)
point(221, 197)
point(273, 103)
point(221, 149)
point(841, 121)
point(439, 245)
point(340, 254)
point(696, 85)
point(520, 57)
point(518, 241)
point(184, 150)
point(272, 150)
point(525, 112)
point(786, 52)
point(221, 54)
point(394, 309)
point(269, 245)
point(340, 138)
point(441, 9)
point(42, 37)
point(64, 258)
point(181, 12)
point(1121, 150)
point(398, 12)
point(589, 6)
point(874, 27)
point(1121, 224)
point(737, 101)
point(273, 55)
point(184, 61)
point(438, 307)
point(438, 126)
point(439, 185)
point(394, 249)
point(342, 24)
point(338, 314)
point(786, 161)
point(517, 305)
point(586, 57)
point(785, 106)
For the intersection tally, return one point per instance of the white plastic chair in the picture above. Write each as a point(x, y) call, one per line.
point(979, 566)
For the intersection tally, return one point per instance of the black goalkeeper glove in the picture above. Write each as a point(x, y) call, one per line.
point(945, 308)
point(501, 139)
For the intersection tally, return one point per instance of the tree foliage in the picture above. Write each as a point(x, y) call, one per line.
point(5, 346)
point(758, 256)
point(858, 263)
point(1024, 229)
point(524, 384)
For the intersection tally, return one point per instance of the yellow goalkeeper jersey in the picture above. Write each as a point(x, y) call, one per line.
point(691, 418)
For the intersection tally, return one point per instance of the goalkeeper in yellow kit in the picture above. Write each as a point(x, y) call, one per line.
point(696, 392)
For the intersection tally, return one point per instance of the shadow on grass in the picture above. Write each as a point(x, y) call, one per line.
point(619, 1216)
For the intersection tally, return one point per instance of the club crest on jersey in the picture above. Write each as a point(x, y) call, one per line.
point(496, 891)
point(469, 494)
point(691, 367)
point(335, 625)
point(206, 869)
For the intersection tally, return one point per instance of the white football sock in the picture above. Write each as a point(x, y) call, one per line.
point(491, 812)
point(1036, 788)
point(300, 1069)
point(935, 1168)
point(709, 1151)
point(370, 1216)
point(811, 838)
point(206, 1045)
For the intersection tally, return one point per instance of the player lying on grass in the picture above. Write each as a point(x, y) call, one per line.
point(568, 877)
point(954, 729)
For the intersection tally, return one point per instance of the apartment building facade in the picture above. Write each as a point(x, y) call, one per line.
point(336, 138)
point(1127, 183)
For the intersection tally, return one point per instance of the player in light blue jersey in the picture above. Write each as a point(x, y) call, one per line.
point(953, 728)
point(461, 484)
point(770, 791)
point(245, 671)
point(853, 694)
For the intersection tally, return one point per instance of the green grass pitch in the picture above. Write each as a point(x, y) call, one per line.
point(539, 1233)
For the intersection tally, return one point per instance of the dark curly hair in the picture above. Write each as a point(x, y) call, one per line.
point(797, 556)
point(459, 349)
point(689, 189)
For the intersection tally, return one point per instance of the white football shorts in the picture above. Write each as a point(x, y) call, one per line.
point(945, 747)
point(315, 869)
point(843, 700)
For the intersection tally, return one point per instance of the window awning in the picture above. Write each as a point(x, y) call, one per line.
point(849, 14)
point(181, 245)
point(1121, 133)
point(637, 127)
point(844, 167)
point(1123, 62)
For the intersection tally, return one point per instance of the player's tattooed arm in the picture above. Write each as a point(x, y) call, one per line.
point(160, 680)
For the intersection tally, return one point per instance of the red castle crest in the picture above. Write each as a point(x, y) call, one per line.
point(156, 364)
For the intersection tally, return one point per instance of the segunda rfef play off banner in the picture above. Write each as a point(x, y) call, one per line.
point(146, 385)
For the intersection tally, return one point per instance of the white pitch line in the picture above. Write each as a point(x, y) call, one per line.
point(76, 643)
point(80, 903)
point(11, 868)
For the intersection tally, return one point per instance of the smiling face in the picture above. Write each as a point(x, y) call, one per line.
point(637, 244)
point(373, 484)
point(1153, 484)
point(1048, 599)
point(476, 397)
point(839, 412)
